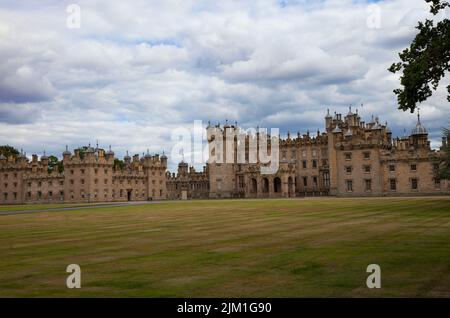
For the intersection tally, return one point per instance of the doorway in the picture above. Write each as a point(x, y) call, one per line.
point(128, 195)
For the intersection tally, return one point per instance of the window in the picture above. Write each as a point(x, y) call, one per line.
point(71, 171)
point(393, 184)
point(391, 168)
point(50, 194)
point(314, 153)
point(29, 184)
point(241, 182)
point(293, 154)
point(95, 171)
point(15, 195)
point(39, 184)
point(82, 181)
point(106, 171)
point(368, 184)
point(314, 163)
point(305, 181)
point(5, 196)
point(348, 156)
point(50, 183)
point(366, 155)
point(6, 185)
point(348, 169)
point(82, 171)
point(349, 184)
point(367, 169)
point(303, 153)
point(304, 164)
point(39, 194)
point(29, 194)
point(315, 182)
point(326, 179)
point(106, 181)
point(71, 181)
point(437, 183)
point(413, 167)
point(414, 184)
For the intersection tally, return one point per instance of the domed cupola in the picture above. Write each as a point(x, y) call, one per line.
point(127, 157)
point(419, 129)
point(67, 152)
point(110, 152)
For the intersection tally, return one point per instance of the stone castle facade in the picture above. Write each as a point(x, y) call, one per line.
point(351, 158)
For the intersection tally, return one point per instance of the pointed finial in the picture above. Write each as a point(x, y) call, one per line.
point(418, 115)
point(67, 148)
point(109, 147)
point(97, 143)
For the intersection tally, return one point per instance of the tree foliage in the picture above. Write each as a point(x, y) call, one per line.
point(443, 162)
point(54, 163)
point(425, 62)
point(119, 164)
point(7, 151)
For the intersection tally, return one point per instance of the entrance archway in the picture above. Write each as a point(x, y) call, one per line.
point(277, 185)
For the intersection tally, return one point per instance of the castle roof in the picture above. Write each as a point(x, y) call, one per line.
point(419, 129)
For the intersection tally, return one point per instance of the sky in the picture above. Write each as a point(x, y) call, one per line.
point(130, 73)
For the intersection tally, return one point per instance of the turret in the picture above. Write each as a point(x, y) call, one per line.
point(328, 119)
point(66, 154)
point(127, 158)
point(44, 159)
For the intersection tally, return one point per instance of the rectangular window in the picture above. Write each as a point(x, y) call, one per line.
point(368, 185)
point(348, 169)
point(349, 184)
point(391, 168)
point(314, 163)
point(304, 164)
point(315, 182)
point(367, 169)
point(326, 179)
point(348, 156)
point(393, 184)
point(305, 181)
point(367, 155)
point(414, 184)
point(413, 167)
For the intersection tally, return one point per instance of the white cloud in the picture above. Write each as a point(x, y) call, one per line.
point(136, 70)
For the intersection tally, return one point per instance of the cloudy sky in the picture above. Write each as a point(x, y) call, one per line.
point(136, 70)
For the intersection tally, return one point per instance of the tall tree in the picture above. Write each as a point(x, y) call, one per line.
point(425, 62)
point(442, 170)
point(7, 151)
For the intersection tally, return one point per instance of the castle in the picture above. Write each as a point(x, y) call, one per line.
point(352, 158)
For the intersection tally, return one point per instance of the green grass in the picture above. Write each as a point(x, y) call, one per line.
point(235, 248)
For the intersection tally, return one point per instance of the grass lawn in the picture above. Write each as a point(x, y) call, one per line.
point(235, 248)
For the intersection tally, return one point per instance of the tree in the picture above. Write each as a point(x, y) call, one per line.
point(425, 62)
point(54, 163)
point(118, 164)
point(7, 151)
point(443, 162)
